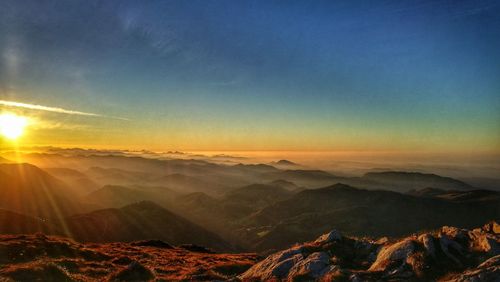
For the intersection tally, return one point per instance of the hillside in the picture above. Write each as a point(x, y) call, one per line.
point(42, 258)
point(27, 189)
point(359, 212)
point(391, 180)
point(16, 223)
point(140, 221)
point(115, 196)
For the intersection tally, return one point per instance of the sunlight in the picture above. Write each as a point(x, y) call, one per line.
point(12, 126)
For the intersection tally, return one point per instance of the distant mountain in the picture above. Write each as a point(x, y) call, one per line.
point(29, 190)
point(232, 205)
point(188, 184)
point(399, 180)
point(458, 196)
point(284, 184)
point(144, 220)
point(118, 196)
point(358, 212)
point(117, 176)
point(285, 164)
point(308, 178)
point(79, 181)
point(257, 195)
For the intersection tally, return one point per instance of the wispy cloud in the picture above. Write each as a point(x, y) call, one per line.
point(52, 109)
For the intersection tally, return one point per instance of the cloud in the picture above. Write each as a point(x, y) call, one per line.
point(52, 109)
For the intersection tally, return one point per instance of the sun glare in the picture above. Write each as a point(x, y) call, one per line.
point(12, 126)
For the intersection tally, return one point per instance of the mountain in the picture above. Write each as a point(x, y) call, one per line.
point(256, 195)
point(16, 223)
point(29, 190)
point(80, 182)
point(404, 181)
point(307, 178)
point(284, 184)
point(140, 221)
point(358, 212)
point(285, 164)
point(117, 176)
point(50, 258)
point(232, 205)
point(458, 196)
point(118, 196)
point(450, 254)
point(188, 184)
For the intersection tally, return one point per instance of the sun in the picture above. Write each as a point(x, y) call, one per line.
point(12, 126)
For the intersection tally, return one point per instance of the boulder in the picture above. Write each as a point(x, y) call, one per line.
point(331, 236)
point(393, 255)
point(314, 266)
point(133, 272)
point(274, 266)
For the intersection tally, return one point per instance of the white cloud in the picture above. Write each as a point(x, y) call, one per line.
point(52, 109)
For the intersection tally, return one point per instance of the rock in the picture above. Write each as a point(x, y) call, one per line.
point(489, 244)
point(393, 254)
point(428, 242)
point(315, 265)
point(39, 272)
point(275, 265)
point(133, 272)
point(382, 241)
point(122, 260)
point(196, 248)
point(487, 271)
point(485, 240)
point(447, 245)
point(427, 257)
point(331, 236)
point(492, 227)
point(152, 243)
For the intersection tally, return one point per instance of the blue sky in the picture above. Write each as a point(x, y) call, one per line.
point(329, 75)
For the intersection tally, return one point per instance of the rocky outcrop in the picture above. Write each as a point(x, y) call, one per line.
point(449, 254)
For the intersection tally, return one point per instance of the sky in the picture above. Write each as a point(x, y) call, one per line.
point(404, 76)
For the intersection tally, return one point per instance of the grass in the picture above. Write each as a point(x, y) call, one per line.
point(48, 258)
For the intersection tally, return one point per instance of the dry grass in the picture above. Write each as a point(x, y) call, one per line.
point(31, 257)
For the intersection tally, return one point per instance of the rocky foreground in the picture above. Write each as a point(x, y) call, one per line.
point(450, 254)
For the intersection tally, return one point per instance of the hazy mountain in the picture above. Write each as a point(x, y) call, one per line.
point(117, 196)
point(285, 164)
point(359, 212)
point(458, 196)
point(31, 191)
point(75, 179)
point(401, 181)
point(144, 220)
point(189, 184)
point(119, 176)
point(308, 178)
point(284, 184)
